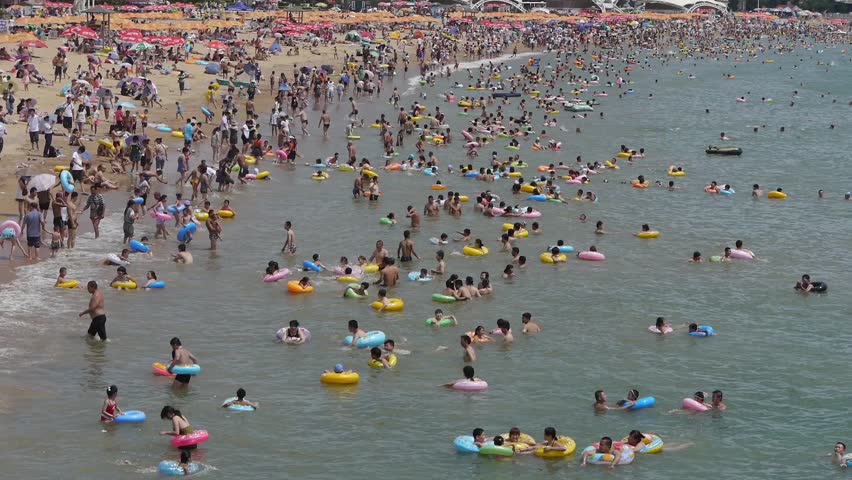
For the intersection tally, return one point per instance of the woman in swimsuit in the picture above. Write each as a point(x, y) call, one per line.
point(180, 425)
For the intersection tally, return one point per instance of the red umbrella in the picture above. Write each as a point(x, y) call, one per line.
point(172, 42)
point(129, 8)
point(33, 44)
point(79, 31)
point(130, 35)
point(217, 45)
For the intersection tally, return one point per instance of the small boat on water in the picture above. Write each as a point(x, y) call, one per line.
point(711, 150)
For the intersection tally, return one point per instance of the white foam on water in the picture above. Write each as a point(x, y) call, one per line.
point(31, 304)
point(414, 82)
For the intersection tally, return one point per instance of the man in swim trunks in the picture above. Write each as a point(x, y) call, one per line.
point(379, 254)
point(181, 357)
point(290, 242)
point(96, 312)
point(406, 248)
point(389, 274)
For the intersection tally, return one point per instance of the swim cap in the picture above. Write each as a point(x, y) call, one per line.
point(338, 368)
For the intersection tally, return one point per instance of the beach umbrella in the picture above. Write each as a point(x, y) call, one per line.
point(284, 88)
point(217, 45)
point(42, 182)
point(33, 44)
point(128, 8)
point(127, 105)
point(135, 140)
point(321, 5)
point(141, 47)
point(79, 31)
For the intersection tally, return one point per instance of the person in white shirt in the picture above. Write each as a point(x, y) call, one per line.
point(77, 164)
point(33, 127)
point(68, 115)
point(2, 135)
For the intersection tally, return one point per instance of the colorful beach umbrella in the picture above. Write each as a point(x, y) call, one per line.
point(217, 45)
point(80, 31)
point(33, 44)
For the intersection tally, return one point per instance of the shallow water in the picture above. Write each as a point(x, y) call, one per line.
point(777, 356)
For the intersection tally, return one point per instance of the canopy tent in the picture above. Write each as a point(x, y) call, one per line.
point(353, 36)
point(239, 7)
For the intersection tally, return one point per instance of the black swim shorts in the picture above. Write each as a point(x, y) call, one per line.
point(98, 326)
point(183, 378)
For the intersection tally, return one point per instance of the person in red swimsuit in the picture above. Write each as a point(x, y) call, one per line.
point(110, 409)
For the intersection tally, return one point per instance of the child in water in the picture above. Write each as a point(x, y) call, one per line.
point(110, 409)
point(241, 400)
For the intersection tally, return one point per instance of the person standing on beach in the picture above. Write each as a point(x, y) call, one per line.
point(71, 205)
point(97, 209)
point(33, 225)
point(96, 311)
point(33, 127)
point(290, 241)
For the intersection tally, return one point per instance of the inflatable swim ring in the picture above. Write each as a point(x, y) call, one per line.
point(170, 468)
point(138, 247)
point(68, 284)
point(124, 285)
point(653, 444)
point(591, 256)
point(294, 287)
point(394, 305)
point(194, 438)
point(340, 378)
point(374, 338)
point(627, 455)
point(568, 442)
point(703, 331)
point(130, 416)
point(475, 252)
point(642, 403)
point(437, 297)
point(237, 408)
point(470, 386)
point(547, 257)
point(66, 180)
point(690, 404)
point(648, 235)
point(776, 195)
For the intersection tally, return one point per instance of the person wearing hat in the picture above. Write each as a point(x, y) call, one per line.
point(338, 369)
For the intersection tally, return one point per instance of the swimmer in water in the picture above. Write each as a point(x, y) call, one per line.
point(376, 356)
point(182, 256)
point(469, 376)
point(469, 353)
point(124, 256)
point(110, 408)
point(151, 277)
point(61, 278)
point(241, 400)
point(293, 334)
point(529, 326)
point(696, 257)
point(550, 444)
point(599, 228)
point(739, 245)
point(839, 455)
point(122, 277)
point(356, 332)
point(439, 315)
point(604, 447)
point(662, 327)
